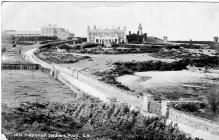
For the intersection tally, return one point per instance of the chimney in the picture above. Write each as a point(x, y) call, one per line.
point(165, 39)
point(129, 32)
point(138, 32)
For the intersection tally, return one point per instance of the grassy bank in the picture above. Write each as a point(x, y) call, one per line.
point(86, 115)
point(110, 76)
point(59, 58)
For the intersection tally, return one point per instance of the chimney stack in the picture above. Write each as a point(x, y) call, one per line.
point(165, 39)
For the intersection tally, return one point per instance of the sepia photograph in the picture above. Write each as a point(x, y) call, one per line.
point(109, 70)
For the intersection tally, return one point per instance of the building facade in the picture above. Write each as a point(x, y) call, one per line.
point(106, 35)
point(139, 38)
point(54, 30)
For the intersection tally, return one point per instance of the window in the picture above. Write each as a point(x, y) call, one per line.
point(97, 41)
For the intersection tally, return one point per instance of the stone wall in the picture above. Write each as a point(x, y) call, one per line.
point(193, 121)
point(154, 108)
point(164, 109)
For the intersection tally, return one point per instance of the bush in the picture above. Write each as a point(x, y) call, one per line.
point(89, 45)
point(86, 115)
point(188, 107)
point(3, 50)
point(204, 61)
point(213, 98)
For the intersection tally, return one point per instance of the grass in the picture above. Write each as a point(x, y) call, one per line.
point(18, 86)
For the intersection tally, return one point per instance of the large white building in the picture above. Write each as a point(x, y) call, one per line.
point(106, 35)
point(54, 30)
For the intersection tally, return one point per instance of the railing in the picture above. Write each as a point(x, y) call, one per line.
point(6, 66)
point(45, 70)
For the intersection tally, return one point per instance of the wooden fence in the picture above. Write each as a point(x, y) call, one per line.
point(23, 66)
point(45, 70)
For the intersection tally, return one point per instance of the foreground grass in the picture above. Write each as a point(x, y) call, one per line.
point(88, 116)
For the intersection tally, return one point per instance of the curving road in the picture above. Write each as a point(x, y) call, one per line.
point(88, 84)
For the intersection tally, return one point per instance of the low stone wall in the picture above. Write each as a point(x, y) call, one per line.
point(164, 109)
point(193, 121)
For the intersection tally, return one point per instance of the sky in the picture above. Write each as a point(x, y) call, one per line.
point(177, 20)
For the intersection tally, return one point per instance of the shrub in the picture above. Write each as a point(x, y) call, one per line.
point(188, 107)
point(210, 61)
point(89, 116)
point(213, 98)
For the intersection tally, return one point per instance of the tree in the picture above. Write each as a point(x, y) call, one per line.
point(213, 98)
point(4, 50)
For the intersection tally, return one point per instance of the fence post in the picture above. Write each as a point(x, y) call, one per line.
point(146, 102)
point(73, 71)
point(76, 74)
point(56, 73)
point(165, 108)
